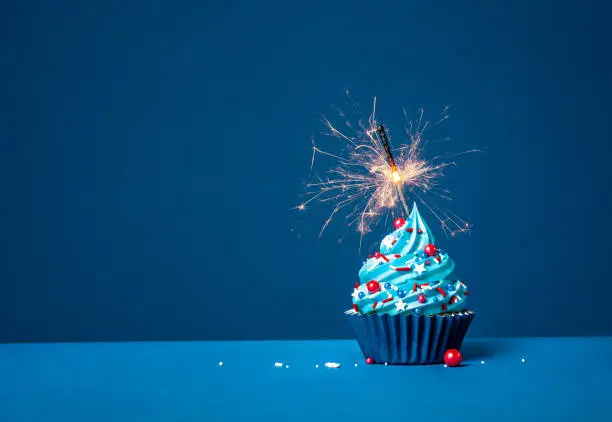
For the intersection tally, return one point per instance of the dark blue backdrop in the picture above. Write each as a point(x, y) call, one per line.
point(151, 151)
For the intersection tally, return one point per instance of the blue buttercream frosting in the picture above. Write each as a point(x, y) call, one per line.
point(403, 279)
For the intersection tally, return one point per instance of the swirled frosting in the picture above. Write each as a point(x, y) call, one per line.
point(408, 275)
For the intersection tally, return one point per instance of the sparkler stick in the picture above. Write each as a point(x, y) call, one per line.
point(395, 175)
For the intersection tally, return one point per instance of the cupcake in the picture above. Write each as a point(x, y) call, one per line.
point(405, 310)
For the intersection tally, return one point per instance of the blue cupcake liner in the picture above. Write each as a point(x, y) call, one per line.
point(409, 339)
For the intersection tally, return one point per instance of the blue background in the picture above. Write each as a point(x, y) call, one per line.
point(151, 152)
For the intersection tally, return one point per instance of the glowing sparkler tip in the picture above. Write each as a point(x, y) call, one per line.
point(395, 176)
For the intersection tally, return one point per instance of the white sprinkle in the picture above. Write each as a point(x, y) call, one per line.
point(355, 365)
point(220, 363)
point(445, 365)
point(482, 361)
point(332, 365)
point(287, 366)
point(386, 363)
point(278, 364)
point(316, 366)
point(523, 360)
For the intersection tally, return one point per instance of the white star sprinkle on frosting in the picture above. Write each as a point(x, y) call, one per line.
point(355, 294)
point(420, 268)
point(400, 305)
point(388, 241)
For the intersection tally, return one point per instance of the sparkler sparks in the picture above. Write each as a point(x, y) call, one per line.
point(369, 180)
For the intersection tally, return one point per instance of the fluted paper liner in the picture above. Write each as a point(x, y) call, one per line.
point(409, 339)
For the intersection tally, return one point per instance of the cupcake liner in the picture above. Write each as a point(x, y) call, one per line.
point(409, 339)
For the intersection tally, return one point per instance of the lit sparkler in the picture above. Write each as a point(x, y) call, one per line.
point(395, 174)
point(370, 179)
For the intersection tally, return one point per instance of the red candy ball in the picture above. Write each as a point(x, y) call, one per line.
point(399, 222)
point(409, 229)
point(419, 231)
point(422, 299)
point(453, 357)
point(373, 286)
point(430, 250)
point(376, 255)
point(369, 361)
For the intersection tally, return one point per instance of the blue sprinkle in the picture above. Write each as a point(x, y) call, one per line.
point(417, 310)
point(437, 300)
point(380, 263)
point(401, 293)
point(387, 286)
point(450, 285)
point(361, 295)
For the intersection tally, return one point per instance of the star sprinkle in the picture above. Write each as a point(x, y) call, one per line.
point(355, 294)
point(400, 305)
point(420, 268)
point(389, 241)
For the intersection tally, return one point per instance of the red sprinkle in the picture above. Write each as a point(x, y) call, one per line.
point(356, 308)
point(427, 263)
point(376, 255)
point(466, 293)
point(409, 229)
point(442, 292)
point(384, 257)
point(374, 305)
point(394, 242)
point(403, 269)
point(444, 307)
point(373, 286)
point(387, 299)
point(398, 255)
point(370, 257)
point(453, 299)
point(419, 286)
point(357, 285)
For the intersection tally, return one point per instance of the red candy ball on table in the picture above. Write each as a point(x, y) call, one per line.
point(453, 357)
point(422, 299)
point(369, 361)
point(399, 222)
point(430, 250)
point(373, 286)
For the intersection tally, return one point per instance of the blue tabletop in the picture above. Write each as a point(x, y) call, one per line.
point(544, 379)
